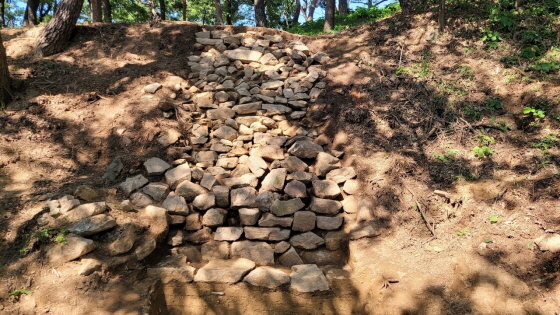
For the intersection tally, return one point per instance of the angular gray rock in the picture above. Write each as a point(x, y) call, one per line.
point(243, 197)
point(204, 201)
point(224, 271)
point(215, 250)
point(243, 55)
point(74, 247)
point(266, 199)
point(290, 258)
point(140, 199)
point(84, 211)
point(259, 252)
point(286, 207)
point(113, 170)
point(214, 217)
point(176, 204)
point(228, 233)
point(268, 152)
point(124, 241)
point(189, 190)
point(305, 149)
point(341, 175)
point(225, 132)
point(270, 220)
point(281, 247)
point(296, 189)
point(329, 223)
point(178, 174)
point(156, 166)
point(325, 163)
point(274, 181)
point(132, 183)
point(93, 225)
point(304, 221)
point(201, 236)
point(193, 222)
point(307, 240)
point(325, 206)
point(325, 189)
point(145, 247)
point(266, 233)
point(351, 187)
point(249, 216)
point(267, 277)
point(222, 196)
point(158, 191)
point(308, 278)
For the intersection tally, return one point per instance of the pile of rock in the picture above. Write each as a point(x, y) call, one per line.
point(253, 188)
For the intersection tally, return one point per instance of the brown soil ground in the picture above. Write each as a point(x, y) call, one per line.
point(395, 126)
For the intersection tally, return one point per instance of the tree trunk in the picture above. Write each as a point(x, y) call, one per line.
point(260, 15)
point(162, 9)
point(295, 19)
point(30, 15)
point(219, 19)
point(152, 6)
point(343, 7)
point(2, 13)
point(184, 9)
point(229, 12)
point(441, 16)
point(55, 35)
point(107, 11)
point(95, 6)
point(408, 6)
point(5, 92)
point(329, 16)
point(311, 10)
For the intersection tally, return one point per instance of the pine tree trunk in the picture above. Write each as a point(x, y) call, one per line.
point(229, 12)
point(184, 10)
point(2, 13)
point(162, 9)
point(260, 15)
point(95, 6)
point(442, 16)
point(295, 19)
point(5, 92)
point(343, 7)
point(30, 15)
point(55, 35)
point(219, 19)
point(311, 10)
point(329, 16)
point(107, 11)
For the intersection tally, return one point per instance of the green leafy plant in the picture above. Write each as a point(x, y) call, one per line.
point(539, 113)
point(493, 219)
point(488, 240)
point(463, 232)
point(482, 152)
point(401, 70)
point(503, 126)
point(448, 156)
point(494, 103)
point(485, 140)
point(491, 38)
point(19, 292)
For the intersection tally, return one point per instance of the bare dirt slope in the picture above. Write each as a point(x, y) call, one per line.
point(408, 132)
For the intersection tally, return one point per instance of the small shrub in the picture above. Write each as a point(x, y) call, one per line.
point(539, 113)
point(482, 152)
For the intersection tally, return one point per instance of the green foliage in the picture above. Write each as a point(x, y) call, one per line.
point(503, 126)
point(493, 219)
point(485, 140)
point(463, 232)
point(401, 70)
point(546, 142)
point(482, 152)
point(491, 38)
point(19, 292)
point(494, 103)
point(538, 113)
point(448, 156)
point(358, 17)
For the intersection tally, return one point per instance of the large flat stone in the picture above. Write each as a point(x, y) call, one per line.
point(259, 252)
point(325, 206)
point(75, 247)
point(224, 271)
point(93, 225)
point(308, 278)
point(307, 240)
point(168, 274)
point(267, 277)
point(189, 190)
point(243, 55)
point(286, 207)
point(325, 189)
point(266, 234)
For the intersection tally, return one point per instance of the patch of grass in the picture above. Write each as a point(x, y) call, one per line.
point(482, 152)
point(448, 156)
point(485, 140)
point(503, 126)
point(19, 292)
point(546, 142)
point(463, 232)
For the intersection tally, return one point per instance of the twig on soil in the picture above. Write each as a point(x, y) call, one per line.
point(424, 217)
point(400, 57)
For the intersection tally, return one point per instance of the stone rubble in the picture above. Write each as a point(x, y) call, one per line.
point(248, 184)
